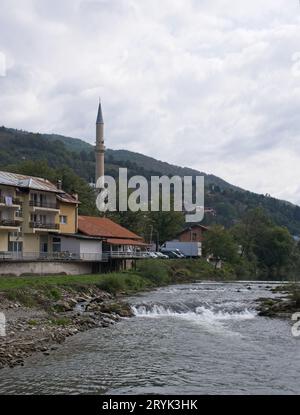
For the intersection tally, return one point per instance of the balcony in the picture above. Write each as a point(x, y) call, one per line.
point(66, 256)
point(10, 202)
point(18, 216)
point(50, 206)
point(9, 224)
point(44, 226)
point(53, 256)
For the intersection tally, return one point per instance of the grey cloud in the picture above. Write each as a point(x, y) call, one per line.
point(205, 84)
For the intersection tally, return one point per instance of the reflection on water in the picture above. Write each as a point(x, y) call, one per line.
point(196, 338)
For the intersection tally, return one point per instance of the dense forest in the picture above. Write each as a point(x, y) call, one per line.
point(73, 161)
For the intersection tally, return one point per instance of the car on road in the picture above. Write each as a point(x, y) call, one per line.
point(162, 255)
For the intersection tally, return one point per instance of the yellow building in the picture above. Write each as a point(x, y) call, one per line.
point(33, 214)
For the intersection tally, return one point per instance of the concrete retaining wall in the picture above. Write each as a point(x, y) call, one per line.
point(44, 268)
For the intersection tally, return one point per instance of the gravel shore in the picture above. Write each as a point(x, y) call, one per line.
point(34, 329)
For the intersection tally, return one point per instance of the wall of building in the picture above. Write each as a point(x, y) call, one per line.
point(31, 243)
point(44, 268)
point(192, 235)
point(26, 215)
point(69, 210)
point(70, 245)
point(3, 241)
point(90, 247)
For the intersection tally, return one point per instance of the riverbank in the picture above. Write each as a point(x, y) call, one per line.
point(41, 312)
point(284, 306)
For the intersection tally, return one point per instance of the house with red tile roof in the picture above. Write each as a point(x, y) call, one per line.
point(116, 240)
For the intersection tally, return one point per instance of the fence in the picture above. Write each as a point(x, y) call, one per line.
point(68, 256)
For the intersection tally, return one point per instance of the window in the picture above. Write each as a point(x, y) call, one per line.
point(15, 246)
point(33, 217)
point(56, 245)
point(194, 236)
point(63, 220)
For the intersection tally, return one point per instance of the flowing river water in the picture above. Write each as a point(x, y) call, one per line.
point(202, 338)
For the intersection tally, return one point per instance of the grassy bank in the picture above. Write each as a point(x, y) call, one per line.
point(148, 274)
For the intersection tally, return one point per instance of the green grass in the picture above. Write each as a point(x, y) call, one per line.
point(7, 283)
point(43, 291)
point(149, 272)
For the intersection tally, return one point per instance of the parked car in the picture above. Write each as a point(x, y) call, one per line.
point(171, 254)
point(178, 252)
point(150, 255)
point(161, 255)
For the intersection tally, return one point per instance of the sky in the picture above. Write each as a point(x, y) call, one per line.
point(209, 84)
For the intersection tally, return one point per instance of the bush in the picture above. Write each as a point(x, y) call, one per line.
point(123, 282)
point(154, 270)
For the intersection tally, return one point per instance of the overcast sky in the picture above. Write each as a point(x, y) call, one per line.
point(209, 84)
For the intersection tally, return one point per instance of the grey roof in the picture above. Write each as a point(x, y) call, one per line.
point(29, 182)
point(65, 197)
point(99, 116)
point(80, 236)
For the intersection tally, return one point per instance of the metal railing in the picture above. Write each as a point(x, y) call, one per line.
point(66, 256)
point(19, 214)
point(41, 225)
point(49, 205)
point(52, 256)
point(125, 254)
point(9, 223)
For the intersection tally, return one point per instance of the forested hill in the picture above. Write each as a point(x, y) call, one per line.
point(229, 201)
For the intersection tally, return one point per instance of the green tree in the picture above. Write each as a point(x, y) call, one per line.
point(274, 249)
point(220, 243)
point(263, 243)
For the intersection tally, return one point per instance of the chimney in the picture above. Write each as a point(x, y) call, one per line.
point(75, 196)
point(59, 184)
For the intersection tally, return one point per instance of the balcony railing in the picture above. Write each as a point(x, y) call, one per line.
point(47, 205)
point(19, 214)
point(9, 223)
point(14, 201)
point(53, 256)
point(125, 254)
point(40, 225)
point(66, 256)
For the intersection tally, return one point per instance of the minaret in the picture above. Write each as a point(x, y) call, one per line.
point(100, 148)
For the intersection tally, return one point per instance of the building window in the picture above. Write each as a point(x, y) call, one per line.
point(194, 236)
point(56, 245)
point(63, 220)
point(15, 246)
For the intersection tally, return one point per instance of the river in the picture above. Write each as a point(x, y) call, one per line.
point(202, 338)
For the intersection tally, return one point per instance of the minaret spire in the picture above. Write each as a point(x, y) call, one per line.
point(99, 116)
point(100, 148)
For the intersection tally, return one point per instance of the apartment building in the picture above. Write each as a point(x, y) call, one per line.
point(33, 214)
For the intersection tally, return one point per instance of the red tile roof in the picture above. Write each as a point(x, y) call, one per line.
point(104, 227)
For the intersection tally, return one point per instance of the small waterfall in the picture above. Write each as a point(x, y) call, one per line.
point(201, 312)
